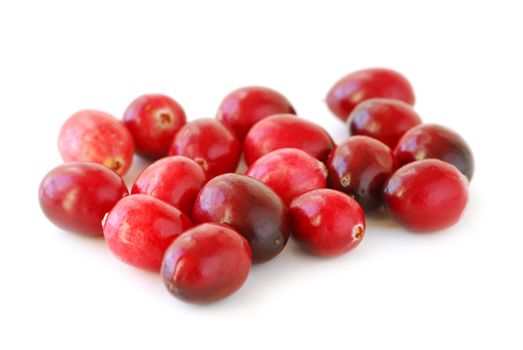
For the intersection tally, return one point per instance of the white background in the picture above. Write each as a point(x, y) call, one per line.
point(461, 288)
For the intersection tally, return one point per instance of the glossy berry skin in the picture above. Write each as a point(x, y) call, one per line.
point(207, 263)
point(153, 120)
point(249, 207)
point(326, 222)
point(364, 84)
point(175, 180)
point(286, 131)
point(210, 144)
point(290, 172)
point(435, 141)
point(139, 229)
point(76, 196)
point(244, 107)
point(426, 195)
point(359, 167)
point(383, 119)
point(95, 136)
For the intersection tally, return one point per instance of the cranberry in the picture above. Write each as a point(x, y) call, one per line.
point(207, 263)
point(427, 195)
point(249, 207)
point(361, 85)
point(96, 136)
point(327, 222)
point(210, 144)
point(153, 120)
point(286, 131)
point(290, 172)
point(175, 180)
point(384, 119)
point(359, 167)
point(244, 107)
point(435, 141)
point(76, 196)
point(139, 229)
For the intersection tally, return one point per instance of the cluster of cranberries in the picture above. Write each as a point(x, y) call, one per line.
point(190, 216)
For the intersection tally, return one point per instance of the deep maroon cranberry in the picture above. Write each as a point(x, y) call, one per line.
point(95, 136)
point(286, 131)
point(327, 222)
point(426, 195)
point(207, 263)
point(290, 172)
point(175, 180)
point(361, 85)
point(210, 144)
point(384, 119)
point(249, 207)
point(244, 107)
point(359, 167)
point(153, 120)
point(76, 196)
point(435, 141)
point(139, 229)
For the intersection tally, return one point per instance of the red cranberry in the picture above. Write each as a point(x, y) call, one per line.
point(249, 207)
point(290, 172)
point(359, 167)
point(175, 180)
point(435, 141)
point(384, 119)
point(244, 107)
point(327, 222)
point(210, 144)
point(427, 195)
point(76, 196)
point(153, 120)
point(95, 136)
point(139, 229)
point(361, 85)
point(207, 263)
point(286, 131)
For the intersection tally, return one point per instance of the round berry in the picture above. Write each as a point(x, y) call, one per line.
point(290, 172)
point(327, 222)
point(139, 229)
point(364, 84)
point(427, 195)
point(286, 131)
point(207, 263)
point(153, 120)
point(438, 142)
point(95, 136)
point(249, 207)
point(76, 196)
point(359, 167)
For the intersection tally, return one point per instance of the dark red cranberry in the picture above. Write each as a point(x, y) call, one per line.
point(139, 229)
point(327, 222)
point(244, 107)
point(359, 167)
point(361, 85)
point(435, 141)
point(210, 144)
point(76, 196)
point(426, 195)
point(249, 207)
point(175, 180)
point(290, 172)
point(153, 120)
point(95, 136)
point(286, 131)
point(207, 263)
point(384, 119)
